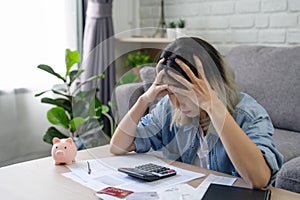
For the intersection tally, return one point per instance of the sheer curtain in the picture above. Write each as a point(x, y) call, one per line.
point(32, 32)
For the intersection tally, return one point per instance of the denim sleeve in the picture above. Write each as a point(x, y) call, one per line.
point(149, 129)
point(258, 126)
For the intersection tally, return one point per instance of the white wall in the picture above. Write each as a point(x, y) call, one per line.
point(228, 23)
point(125, 15)
point(23, 123)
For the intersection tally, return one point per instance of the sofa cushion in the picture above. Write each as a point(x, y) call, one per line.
point(125, 96)
point(287, 143)
point(271, 76)
point(148, 76)
point(289, 176)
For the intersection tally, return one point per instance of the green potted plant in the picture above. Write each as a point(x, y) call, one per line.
point(172, 24)
point(171, 30)
point(181, 23)
point(180, 30)
point(136, 61)
point(75, 113)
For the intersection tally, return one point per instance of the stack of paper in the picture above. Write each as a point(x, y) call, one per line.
point(101, 173)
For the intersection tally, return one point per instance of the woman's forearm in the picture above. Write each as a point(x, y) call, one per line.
point(243, 153)
point(122, 140)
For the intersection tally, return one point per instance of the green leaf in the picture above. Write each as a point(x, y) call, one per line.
point(57, 116)
point(51, 133)
point(51, 71)
point(92, 134)
point(39, 94)
point(90, 126)
point(110, 103)
point(130, 77)
point(74, 75)
point(83, 102)
point(181, 23)
point(62, 93)
point(172, 24)
point(137, 59)
point(61, 102)
point(105, 108)
point(76, 122)
point(98, 107)
point(93, 78)
point(81, 95)
point(71, 58)
point(80, 109)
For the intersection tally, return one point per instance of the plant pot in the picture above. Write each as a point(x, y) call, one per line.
point(171, 33)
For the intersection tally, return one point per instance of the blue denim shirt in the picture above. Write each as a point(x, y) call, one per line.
point(181, 143)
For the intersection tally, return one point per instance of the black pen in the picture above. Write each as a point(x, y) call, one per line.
point(89, 167)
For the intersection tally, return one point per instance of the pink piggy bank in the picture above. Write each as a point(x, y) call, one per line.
point(63, 151)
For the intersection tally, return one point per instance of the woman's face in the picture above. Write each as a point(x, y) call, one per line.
point(184, 104)
point(180, 101)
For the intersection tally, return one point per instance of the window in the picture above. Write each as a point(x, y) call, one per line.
point(35, 32)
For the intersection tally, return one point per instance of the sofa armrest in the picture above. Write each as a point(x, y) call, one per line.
point(125, 96)
point(288, 177)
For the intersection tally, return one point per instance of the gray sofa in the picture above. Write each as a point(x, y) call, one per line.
point(271, 76)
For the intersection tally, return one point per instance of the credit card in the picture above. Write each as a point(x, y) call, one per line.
point(117, 192)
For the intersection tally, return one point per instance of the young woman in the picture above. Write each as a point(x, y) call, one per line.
point(201, 118)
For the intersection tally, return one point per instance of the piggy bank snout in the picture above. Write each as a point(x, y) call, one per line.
point(60, 153)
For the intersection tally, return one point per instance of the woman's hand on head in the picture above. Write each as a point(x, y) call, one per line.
point(199, 90)
point(157, 89)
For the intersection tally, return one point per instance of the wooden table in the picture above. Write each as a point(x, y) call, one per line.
point(40, 179)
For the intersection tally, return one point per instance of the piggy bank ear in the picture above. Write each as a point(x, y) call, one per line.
point(69, 140)
point(55, 140)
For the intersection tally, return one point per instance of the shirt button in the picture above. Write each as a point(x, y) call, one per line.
point(193, 147)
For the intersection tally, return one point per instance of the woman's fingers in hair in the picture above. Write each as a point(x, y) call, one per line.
point(179, 79)
point(159, 77)
point(199, 66)
point(186, 69)
point(158, 65)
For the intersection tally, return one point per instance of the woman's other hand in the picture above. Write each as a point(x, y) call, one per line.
point(157, 89)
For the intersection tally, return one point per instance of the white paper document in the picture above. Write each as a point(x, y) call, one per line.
point(103, 173)
point(177, 192)
point(187, 192)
